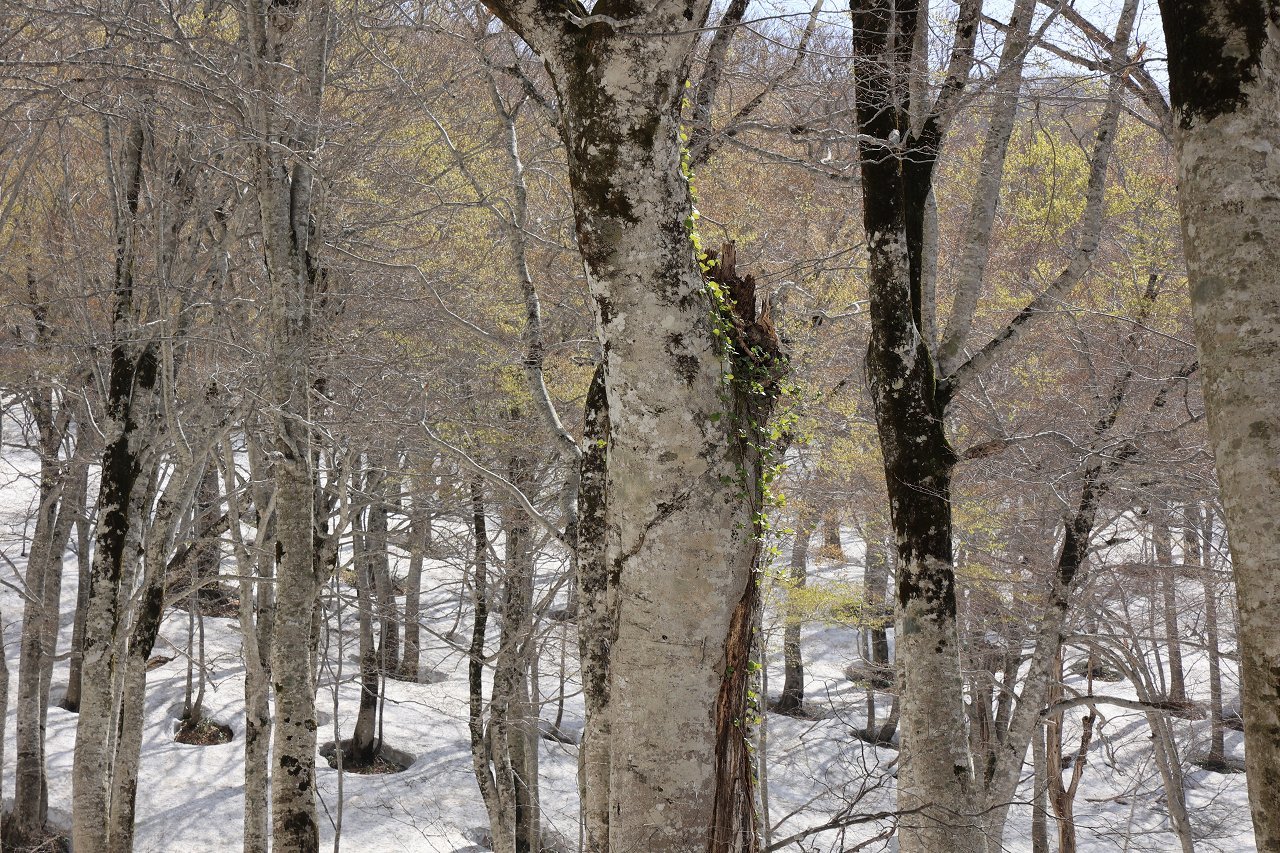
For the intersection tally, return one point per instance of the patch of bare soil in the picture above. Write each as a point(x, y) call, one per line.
point(387, 759)
point(204, 732)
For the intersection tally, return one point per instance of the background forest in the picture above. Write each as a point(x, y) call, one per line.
point(327, 400)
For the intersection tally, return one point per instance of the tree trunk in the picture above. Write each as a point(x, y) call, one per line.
point(513, 722)
point(792, 698)
point(178, 495)
point(208, 554)
point(61, 501)
point(71, 702)
point(383, 582)
point(1224, 82)
point(419, 543)
point(680, 509)
point(4, 712)
point(1063, 797)
point(1170, 767)
point(1168, 580)
point(1204, 552)
point(282, 180)
point(501, 830)
point(133, 375)
point(935, 775)
point(597, 619)
point(876, 582)
point(255, 638)
point(832, 547)
point(364, 746)
point(1039, 800)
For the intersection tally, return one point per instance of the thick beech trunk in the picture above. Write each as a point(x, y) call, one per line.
point(1224, 82)
point(680, 519)
point(935, 776)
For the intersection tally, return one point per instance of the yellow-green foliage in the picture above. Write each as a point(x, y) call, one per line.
point(831, 602)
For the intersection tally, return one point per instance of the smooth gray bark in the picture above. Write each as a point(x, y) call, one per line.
point(283, 176)
point(1224, 81)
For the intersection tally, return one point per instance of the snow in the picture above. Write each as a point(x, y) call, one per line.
point(190, 797)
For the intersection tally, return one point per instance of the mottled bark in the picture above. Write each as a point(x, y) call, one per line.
point(287, 137)
point(500, 829)
point(976, 244)
point(364, 745)
point(832, 548)
point(1039, 798)
point(61, 500)
point(419, 542)
point(513, 721)
point(1224, 81)
point(208, 549)
point(935, 776)
point(597, 618)
point(132, 380)
point(388, 610)
point(679, 523)
point(176, 499)
point(876, 583)
point(1203, 538)
point(947, 807)
point(84, 567)
point(1062, 796)
point(4, 706)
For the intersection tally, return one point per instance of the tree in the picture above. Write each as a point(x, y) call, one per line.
point(679, 483)
point(1224, 84)
point(902, 127)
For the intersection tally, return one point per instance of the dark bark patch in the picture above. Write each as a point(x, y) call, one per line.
point(1214, 50)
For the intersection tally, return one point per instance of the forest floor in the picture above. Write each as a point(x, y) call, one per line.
point(190, 798)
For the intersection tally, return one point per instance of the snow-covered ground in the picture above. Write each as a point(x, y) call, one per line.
point(191, 799)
